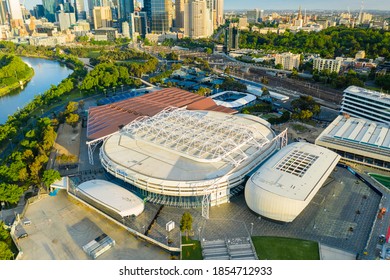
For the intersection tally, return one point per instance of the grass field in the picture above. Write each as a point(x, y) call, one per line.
point(282, 248)
point(384, 180)
point(191, 252)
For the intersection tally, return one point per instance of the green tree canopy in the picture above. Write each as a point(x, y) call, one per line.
point(50, 176)
point(186, 223)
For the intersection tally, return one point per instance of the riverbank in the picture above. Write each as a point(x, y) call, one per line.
point(20, 84)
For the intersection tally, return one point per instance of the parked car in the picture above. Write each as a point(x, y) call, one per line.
point(387, 255)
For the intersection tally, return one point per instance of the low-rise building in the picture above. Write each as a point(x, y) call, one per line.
point(358, 140)
point(368, 104)
point(288, 60)
point(333, 65)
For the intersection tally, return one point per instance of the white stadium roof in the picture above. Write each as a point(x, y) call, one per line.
point(113, 197)
point(284, 185)
point(182, 153)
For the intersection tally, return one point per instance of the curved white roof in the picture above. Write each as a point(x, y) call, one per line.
point(246, 99)
point(112, 196)
point(182, 145)
point(285, 184)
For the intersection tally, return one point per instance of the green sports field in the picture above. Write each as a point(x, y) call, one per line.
point(282, 248)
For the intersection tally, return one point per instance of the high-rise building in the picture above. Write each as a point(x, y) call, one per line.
point(102, 17)
point(218, 7)
point(232, 34)
point(138, 24)
point(15, 10)
point(253, 15)
point(125, 8)
point(158, 12)
point(50, 7)
point(197, 19)
point(179, 10)
point(333, 65)
point(288, 60)
point(38, 11)
point(66, 16)
point(92, 4)
point(3, 12)
point(81, 14)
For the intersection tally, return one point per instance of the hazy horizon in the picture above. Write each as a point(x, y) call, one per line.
point(287, 5)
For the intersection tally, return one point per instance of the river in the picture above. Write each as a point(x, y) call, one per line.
point(46, 73)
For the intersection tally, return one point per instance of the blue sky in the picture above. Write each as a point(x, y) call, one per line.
point(288, 4)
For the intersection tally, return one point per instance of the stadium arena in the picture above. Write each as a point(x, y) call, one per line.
point(283, 186)
point(189, 158)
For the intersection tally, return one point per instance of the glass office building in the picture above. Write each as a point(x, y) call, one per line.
point(159, 15)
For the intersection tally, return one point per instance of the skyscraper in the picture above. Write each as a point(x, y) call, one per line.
point(3, 12)
point(158, 12)
point(92, 4)
point(197, 19)
point(232, 34)
point(80, 10)
point(66, 15)
point(102, 17)
point(126, 7)
point(15, 10)
point(218, 6)
point(179, 10)
point(50, 9)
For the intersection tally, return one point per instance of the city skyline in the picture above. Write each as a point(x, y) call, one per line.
point(292, 4)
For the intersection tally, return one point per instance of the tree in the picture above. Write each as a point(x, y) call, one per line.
point(71, 107)
point(10, 193)
point(278, 66)
point(5, 252)
point(186, 223)
point(203, 91)
point(50, 176)
point(72, 119)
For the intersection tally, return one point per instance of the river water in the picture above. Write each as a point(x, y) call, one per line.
point(46, 73)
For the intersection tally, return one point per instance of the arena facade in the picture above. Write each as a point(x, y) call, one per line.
point(283, 186)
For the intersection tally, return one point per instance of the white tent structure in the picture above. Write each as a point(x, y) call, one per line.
point(113, 197)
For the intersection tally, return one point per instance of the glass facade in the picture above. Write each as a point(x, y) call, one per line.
point(126, 7)
point(158, 12)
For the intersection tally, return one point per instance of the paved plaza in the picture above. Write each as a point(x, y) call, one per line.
point(60, 226)
point(340, 216)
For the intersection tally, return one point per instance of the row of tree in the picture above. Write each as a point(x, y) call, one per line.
point(329, 43)
point(339, 81)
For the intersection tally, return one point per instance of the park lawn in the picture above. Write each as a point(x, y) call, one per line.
point(192, 252)
point(384, 180)
point(94, 54)
point(283, 248)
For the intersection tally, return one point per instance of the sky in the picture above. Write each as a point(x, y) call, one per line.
point(287, 4)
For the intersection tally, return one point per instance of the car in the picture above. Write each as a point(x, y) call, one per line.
point(382, 239)
point(387, 255)
point(26, 221)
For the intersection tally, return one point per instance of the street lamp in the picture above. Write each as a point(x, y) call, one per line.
point(143, 229)
point(122, 88)
point(251, 229)
point(199, 229)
